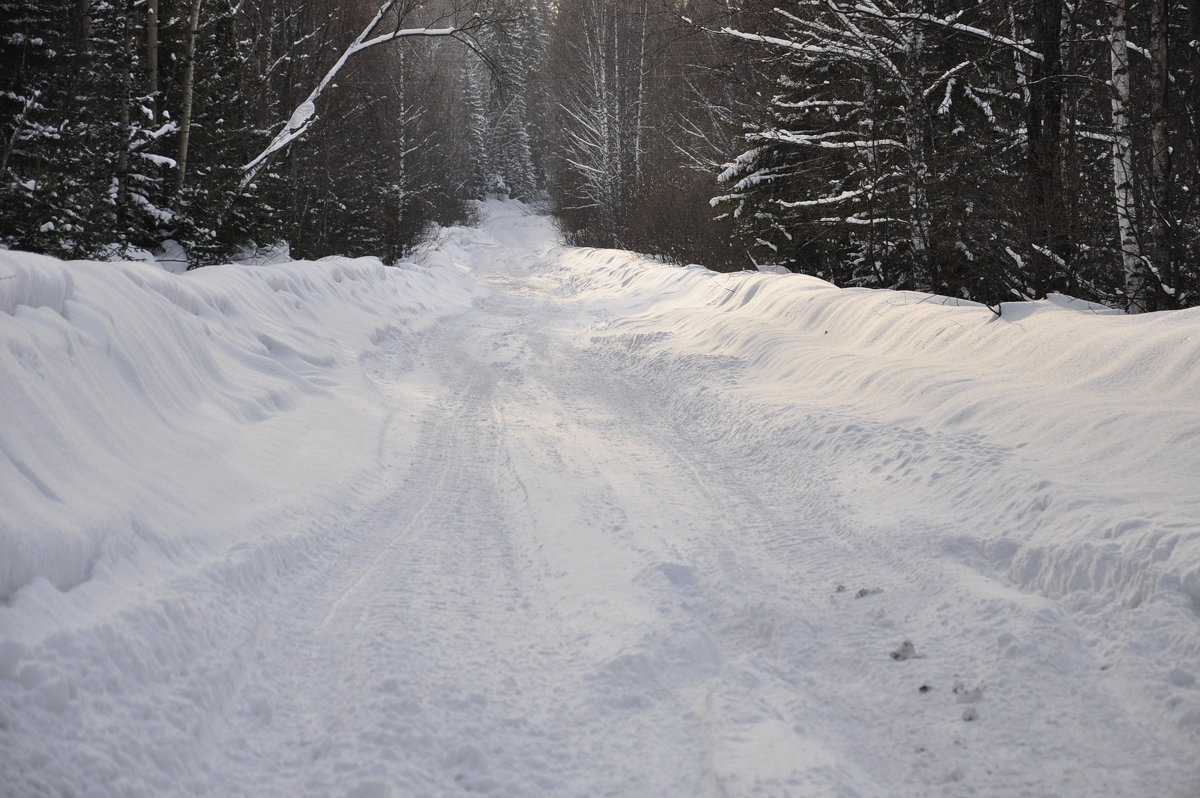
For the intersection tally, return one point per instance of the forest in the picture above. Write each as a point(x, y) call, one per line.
point(990, 151)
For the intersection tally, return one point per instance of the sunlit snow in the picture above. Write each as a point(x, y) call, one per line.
point(519, 519)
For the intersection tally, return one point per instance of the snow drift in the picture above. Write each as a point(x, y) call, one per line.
point(1055, 447)
point(137, 401)
point(1101, 411)
point(536, 519)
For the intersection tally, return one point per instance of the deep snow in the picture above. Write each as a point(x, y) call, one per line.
point(520, 519)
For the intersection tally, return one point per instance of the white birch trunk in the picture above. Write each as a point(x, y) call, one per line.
point(185, 116)
point(1136, 284)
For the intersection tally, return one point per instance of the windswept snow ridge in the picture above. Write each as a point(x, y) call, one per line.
point(531, 520)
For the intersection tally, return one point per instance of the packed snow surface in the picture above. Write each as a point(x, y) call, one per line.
point(525, 520)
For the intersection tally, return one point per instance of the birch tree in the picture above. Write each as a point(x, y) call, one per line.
point(189, 82)
point(918, 116)
point(1137, 282)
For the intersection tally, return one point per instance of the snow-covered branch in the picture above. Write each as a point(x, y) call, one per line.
point(829, 141)
point(305, 114)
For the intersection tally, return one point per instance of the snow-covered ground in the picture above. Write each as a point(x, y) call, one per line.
point(525, 520)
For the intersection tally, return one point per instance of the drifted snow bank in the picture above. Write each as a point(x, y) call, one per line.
point(172, 446)
point(140, 408)
point(1056, 447)
point(175, 451)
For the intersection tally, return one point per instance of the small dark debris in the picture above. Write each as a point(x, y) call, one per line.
point(864, 592)
point(925, 688)
point(840, 589)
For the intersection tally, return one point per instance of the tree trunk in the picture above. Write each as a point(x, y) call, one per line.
point(121, 201)
point(84, 9)
point(1043, 121)
point(641, 99)
point(185, 115)
point(81, 56)
point(18, 126)
point(1137, 287)
point(1160, 151)
point(918, 168)
point(152, 55)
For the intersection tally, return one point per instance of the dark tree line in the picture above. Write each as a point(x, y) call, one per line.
point(987, 150)
point(126, 122)
point(634, 94)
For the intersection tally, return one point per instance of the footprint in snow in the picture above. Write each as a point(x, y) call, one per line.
point(967, 695)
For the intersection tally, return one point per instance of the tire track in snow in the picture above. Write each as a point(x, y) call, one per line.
point(389, 595)
point(590, 565)
point(431, 656)
point(978, 639)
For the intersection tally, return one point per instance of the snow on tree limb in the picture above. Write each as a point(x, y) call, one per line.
point(306, 115)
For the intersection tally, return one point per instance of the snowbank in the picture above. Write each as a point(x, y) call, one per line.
point(330, 528)
point(125, 387)
point(1056, 446)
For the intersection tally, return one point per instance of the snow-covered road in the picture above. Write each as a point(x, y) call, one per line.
point(573, 552)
